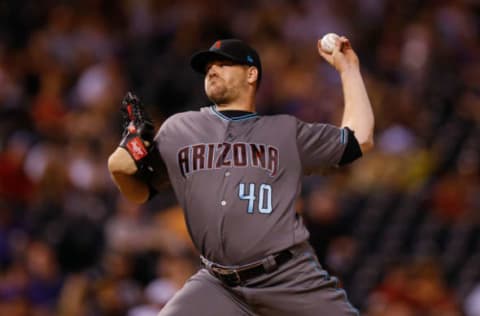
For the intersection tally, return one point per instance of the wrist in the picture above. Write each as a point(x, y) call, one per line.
point(348, 71)
point(135, 146)
point(143, 153)
point(121, 162)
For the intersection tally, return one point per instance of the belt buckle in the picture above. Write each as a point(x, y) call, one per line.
point(235, 281)
point(230, 277)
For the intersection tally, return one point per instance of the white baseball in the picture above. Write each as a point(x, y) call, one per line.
point(328, 42)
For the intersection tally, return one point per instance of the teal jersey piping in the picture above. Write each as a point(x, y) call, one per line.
point(238, 118)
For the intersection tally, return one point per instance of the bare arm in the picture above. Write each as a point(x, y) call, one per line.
point(358, 114)
point(122, 169)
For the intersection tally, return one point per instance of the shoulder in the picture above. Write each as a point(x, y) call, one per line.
point(179, 120)
point(286, 122)
point(280, 119)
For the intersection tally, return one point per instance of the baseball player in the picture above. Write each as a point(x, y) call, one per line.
point(237, 175)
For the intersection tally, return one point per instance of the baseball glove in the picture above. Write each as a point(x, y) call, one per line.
point(137, 136)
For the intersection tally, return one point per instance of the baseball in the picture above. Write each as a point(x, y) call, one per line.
point(328, 42)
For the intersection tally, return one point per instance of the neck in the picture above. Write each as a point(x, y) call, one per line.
point(244, 104)
point(235, 107)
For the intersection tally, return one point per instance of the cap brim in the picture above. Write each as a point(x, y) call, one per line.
point(200, 60)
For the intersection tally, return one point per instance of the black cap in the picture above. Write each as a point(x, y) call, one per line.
point(229, 49)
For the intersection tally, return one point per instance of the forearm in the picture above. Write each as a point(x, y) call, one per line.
point(358, 114)
point(122, 169)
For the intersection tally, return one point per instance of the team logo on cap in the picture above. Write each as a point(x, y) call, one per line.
point(217, 44)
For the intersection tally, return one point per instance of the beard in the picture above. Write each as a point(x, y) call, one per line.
point(217, 92)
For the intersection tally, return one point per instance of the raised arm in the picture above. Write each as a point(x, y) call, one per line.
point(358, 114)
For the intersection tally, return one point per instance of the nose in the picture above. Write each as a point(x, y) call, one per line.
point(212, 69)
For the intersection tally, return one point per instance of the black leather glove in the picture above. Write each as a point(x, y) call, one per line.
point(137, 136)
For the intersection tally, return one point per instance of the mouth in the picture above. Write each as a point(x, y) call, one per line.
point(213, 80)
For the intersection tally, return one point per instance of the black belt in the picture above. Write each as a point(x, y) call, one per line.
point(234, 276)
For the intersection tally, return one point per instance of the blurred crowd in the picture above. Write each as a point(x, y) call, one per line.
point(400, 227)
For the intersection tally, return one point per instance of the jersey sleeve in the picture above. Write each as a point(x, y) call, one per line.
point(320, 146)
point(160, 179)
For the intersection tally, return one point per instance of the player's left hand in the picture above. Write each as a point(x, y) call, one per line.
point(138, 130)
point(138, 137)
point(136, 119)
point(343, 57)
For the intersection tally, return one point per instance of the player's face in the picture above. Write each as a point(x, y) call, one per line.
point(225, 81)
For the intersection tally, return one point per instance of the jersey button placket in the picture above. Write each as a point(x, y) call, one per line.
point(229, 133)
point(229, 138)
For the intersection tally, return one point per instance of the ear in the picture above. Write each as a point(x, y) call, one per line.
point(252, 75)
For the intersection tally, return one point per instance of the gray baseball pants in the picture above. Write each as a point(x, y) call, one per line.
point(299, 287)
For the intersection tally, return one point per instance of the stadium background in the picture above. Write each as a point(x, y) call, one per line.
point(401, 227)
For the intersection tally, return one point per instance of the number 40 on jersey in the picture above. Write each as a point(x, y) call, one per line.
point(252, 193)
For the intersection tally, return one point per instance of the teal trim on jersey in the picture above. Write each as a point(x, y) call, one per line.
point(238, 118)
point(343, 136)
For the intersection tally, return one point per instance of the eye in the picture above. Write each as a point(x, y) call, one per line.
point(226, 63)
point(210, 64)
point(222, 63)
point(219, 63)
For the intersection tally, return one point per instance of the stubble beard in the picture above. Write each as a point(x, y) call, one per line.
point(218, 94)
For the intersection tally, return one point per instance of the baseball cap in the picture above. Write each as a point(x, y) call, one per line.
point(232, 49)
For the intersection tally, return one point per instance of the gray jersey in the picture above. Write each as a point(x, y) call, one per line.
point(237, 179)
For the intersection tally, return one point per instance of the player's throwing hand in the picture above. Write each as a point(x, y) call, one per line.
point(343, 57)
